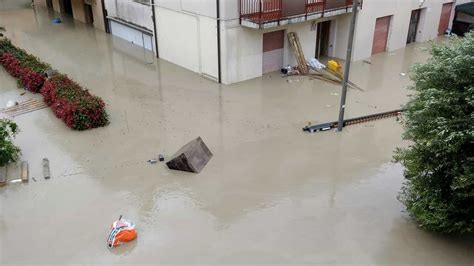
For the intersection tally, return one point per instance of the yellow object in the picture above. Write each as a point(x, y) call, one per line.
point(335, 66)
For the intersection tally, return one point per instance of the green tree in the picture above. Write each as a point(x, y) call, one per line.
point(439, 122)
point(8, 151)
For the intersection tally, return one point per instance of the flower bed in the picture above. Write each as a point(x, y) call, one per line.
point(70, 102)
point(74, 105)
point(28, 78)
point(29, 70)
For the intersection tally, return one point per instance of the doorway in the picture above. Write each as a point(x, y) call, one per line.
point(382, 27)
point(89, 15)
point(322, 39)
point(444, 19)
point(67, 7)
point(49, 4)
point(273, 44)
point(413, 27)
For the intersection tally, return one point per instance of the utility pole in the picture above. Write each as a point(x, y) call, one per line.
point(347, 67)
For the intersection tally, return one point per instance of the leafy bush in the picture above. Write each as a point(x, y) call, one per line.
point(69, 101)
point(28, 78)
point(439, 164)
point(8, 151)
point(26, 60)
point(73, 104)
point(23, 66)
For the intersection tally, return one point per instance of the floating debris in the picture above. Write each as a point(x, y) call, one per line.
point(11, 103)
point(152, 161)
point(122, 231)
point(15, 109)
point(46, 172)
point(24, 171)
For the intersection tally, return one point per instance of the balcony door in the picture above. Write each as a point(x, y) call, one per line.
point(89, 15)
point(273, 43)
point(322, 39)
point(66, 7)
point(445, 17)
point(413, 27)
point(382, 27)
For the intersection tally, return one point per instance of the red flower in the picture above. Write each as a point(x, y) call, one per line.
point(70, 102)
point(74, 105)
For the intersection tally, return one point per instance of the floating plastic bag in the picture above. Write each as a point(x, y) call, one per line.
point(315, 64)
point(122, 231)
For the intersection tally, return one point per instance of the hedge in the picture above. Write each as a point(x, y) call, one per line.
point(74, 105)
point(31, 80)
point(70, 102)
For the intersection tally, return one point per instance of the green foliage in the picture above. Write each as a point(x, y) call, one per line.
point(8, 151)
point(27, 60)
point(439, 121)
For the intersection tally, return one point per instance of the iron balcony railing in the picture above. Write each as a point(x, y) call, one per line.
point(262, 11)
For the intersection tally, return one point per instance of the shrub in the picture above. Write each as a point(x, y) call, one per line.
point(25, 58)
point(73, 104)
point(11, 65)
point(8, 151)
point(30, 79)
point(23, 66)
point(439, 164)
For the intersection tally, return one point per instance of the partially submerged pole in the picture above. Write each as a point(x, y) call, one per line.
point(347, 67)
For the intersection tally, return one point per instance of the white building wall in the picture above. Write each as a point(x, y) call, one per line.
point(130, 11)
point(78, 10)
point(187, 39)
point(132, 35)
point(241, 53)
point(208, 47)
point(241, 47)
point(197, 7)
point(229, 9)
point(400, 12)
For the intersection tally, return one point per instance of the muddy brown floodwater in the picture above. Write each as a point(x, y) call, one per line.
point(271, 194)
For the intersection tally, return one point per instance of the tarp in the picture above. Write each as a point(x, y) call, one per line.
point(467, 8)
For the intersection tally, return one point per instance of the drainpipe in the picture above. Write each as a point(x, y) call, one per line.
point(154, 27)
point(218, 15)
point(104, 13)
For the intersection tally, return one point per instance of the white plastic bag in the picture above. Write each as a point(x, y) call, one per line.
point(315, 64)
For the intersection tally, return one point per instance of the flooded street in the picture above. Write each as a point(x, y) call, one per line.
point(271, 193)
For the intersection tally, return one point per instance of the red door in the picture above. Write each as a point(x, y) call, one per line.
point(445, 16)
point(273, 43)
point(382, 26)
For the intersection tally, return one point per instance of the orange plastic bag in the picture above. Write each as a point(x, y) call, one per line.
point(121, 231)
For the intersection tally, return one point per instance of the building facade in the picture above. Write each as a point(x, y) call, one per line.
point(235, 40)
point(87, 11)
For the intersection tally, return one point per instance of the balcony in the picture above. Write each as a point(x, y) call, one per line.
point(264, 14)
